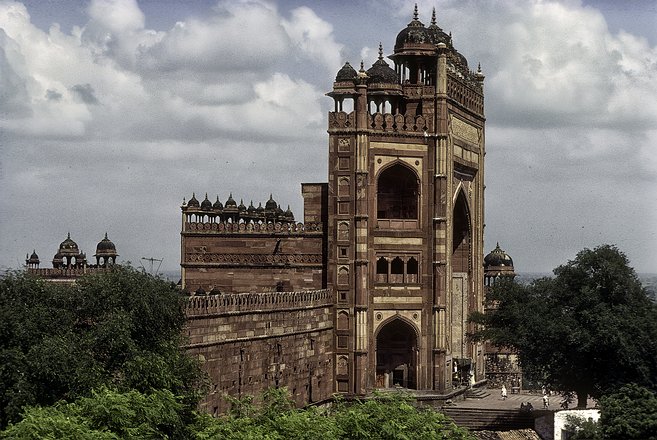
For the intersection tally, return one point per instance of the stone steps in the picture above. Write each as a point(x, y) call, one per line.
point(478, 419)
point(477, 393)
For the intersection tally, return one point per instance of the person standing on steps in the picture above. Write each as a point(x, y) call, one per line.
point(546, 401)
point(503, 392)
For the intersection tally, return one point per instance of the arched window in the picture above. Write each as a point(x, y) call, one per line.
point(382, 270)
point(411, 270)
point(397, 193)
point(397, 270)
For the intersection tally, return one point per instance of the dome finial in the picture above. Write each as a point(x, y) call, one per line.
point(68, 235)
point(380, 50)
point(415, 14)
point(106, 236)
point(433, 17)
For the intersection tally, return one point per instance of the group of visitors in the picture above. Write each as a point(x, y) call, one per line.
point(528, 406)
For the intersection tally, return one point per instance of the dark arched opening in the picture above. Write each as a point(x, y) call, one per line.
point(397, 193)
point(461, 237)
point(382, 270)
point(396, 355)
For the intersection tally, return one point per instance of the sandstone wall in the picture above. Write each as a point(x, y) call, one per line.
point(250, 342)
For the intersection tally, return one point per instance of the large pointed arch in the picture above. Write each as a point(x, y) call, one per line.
point(461, 234)
point(396, 354)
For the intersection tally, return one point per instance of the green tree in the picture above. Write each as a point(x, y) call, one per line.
point(383, 417)
point(120, 329)
point(107, 414)
point(629, 413)
point(589, 329)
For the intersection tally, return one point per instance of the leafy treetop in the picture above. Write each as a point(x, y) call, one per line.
point(589, 329)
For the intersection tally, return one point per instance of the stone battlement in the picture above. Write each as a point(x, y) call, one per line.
point(199, 306)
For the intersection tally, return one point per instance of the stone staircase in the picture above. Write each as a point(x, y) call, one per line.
point(476, 393)
point(478, 419)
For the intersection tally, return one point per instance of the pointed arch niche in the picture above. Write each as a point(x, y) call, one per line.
point(396, 355)
point(461, 235)
point(461, 275)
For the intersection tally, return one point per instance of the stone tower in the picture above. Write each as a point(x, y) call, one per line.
point(406, 207)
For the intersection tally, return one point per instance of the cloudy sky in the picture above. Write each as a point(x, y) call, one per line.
point(112, 111)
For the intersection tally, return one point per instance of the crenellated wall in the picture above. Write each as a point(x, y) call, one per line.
point(253, 341)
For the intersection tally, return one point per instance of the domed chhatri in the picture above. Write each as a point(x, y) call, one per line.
point(68, 246)
point(498, 258)
point(271, 204)
point(381, 72)
point(105, 246)
point(497, 264)
point(33, 260)
point(193, 203)
point(231, 203)
point(206, 204)
point(346, 73)
point(415, 36)
point(105, 252)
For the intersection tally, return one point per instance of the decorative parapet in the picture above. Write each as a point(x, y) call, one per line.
point(342, 120)
point(253, 259)
point(198, 306)
point(66, 273)
point(413, 91)
point(252, 228)
point(383, 122)
point(399, 123)
point(468, 93)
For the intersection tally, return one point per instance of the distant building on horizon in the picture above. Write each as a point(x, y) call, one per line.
point(502, 363)
point(69, 262)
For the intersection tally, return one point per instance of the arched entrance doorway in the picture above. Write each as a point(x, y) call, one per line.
point(396, 355)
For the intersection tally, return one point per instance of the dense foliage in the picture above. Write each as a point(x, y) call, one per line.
point(121, 329)
point(589, 329)
point(627, 413)
point(112, 415)
point(107, 415)
point(383, 417)
point(101, 359)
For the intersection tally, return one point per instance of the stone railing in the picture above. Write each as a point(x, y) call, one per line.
point(469, 95)
point(64, 272)
point(246, 259)
point(252, 228)
point(383, 122)
point(236, 302)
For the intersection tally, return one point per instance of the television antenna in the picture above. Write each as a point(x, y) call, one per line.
point(152, 262)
